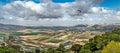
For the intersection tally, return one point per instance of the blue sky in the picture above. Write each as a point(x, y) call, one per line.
point(56, 1)
point(63, 1)
point(105, 3)
point(111, 3)
point(37, 1)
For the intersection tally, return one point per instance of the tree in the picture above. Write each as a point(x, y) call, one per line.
point(85, 51)
point(17, 47)
point(76, 48)
point(61, 48)
point(117, 31)
point(37, 51)
point(7, 49)
point(112, 47)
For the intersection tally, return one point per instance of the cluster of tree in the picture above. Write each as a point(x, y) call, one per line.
point(105, 43)
point(8, 49)
point(22, 34)
point(97, 43)
point(2, 35)
point(17, 33)
point(112, 47)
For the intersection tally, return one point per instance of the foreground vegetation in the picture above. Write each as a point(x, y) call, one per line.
point(106, 43)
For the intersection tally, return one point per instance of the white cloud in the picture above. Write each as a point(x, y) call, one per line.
point(48, 13)
point(99, 10)
point(118, 13)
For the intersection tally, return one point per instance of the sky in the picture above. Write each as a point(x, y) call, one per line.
point(59, 12)
point(105, 3)
point(111, 3)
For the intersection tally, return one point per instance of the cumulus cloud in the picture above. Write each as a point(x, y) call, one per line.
point(48, 9)
point(30, 9)
point(48, 13)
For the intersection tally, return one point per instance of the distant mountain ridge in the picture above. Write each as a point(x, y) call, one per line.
point(77, 27)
